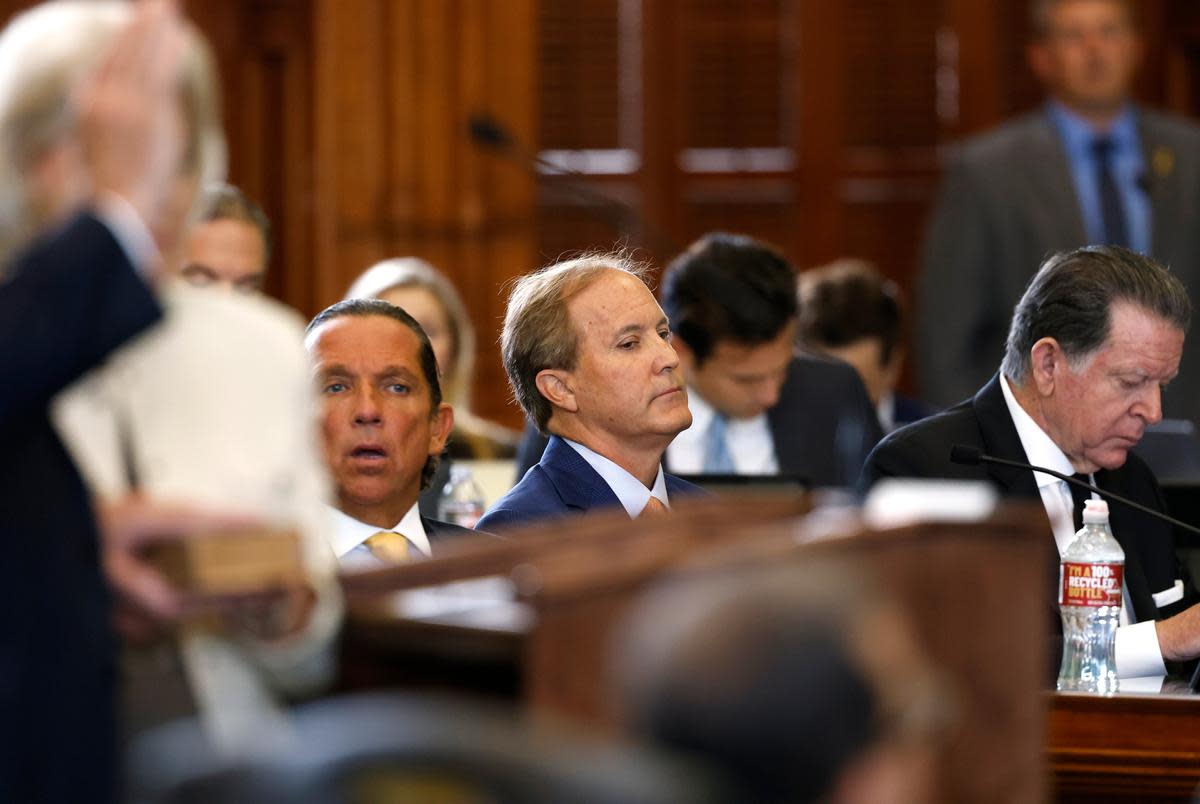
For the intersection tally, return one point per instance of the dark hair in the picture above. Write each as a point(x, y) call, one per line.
point(728, 287)
point(1070, 299)
point(222, 201)
point(848, 301)
point(1039, 15)
point(361, 308)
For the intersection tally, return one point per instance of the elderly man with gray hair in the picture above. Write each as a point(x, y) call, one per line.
point(1094, 340)
point(588, 352)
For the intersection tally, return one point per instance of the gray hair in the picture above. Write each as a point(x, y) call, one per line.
point(405, 272)
point(1071, 297)
point(44, 52)
point(537, 332)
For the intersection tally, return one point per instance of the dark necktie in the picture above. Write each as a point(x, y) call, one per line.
point(1079, 497)
point(1112, 210)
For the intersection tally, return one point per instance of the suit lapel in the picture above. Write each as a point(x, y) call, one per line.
point(1046, 169)
point(1001, 440)
point(1166, 191)
point(578, 484)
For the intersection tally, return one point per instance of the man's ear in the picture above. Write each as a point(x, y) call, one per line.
point(558, 389)
point(439, 433)
point(1046, 359)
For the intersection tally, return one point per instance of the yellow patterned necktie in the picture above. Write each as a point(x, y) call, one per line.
point(388, 546)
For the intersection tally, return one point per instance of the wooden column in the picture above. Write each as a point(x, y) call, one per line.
point(396, 174)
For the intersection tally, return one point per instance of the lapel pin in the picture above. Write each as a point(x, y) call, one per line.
point(1162, 161)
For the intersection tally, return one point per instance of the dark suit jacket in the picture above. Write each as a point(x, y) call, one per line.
point(1007, 202)
point(68, 301)
point(923, 450)
point(823, 425)
point(561, 483)
point(439, 532)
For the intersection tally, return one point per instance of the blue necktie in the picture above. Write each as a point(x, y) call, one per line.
point(1112, 209)
point(717, 460)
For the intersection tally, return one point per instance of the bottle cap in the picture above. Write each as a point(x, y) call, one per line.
point(1095, 512)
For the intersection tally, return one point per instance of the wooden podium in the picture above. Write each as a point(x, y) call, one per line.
point(978, 607)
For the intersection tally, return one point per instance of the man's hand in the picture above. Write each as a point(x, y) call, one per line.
point(146, 604)
point(130, 119)
point(1179, 636)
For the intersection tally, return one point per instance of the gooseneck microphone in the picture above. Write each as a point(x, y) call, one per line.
point(967, 455)
point(486, 132)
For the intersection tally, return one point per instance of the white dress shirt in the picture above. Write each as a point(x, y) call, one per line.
point(632, 493)
point(214, 407)
point(749, 440)
point(348, 536)
point(1137, 649)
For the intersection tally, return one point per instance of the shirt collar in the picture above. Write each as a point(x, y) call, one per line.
point(1077, 133)
point(629, 490)
point(1039, 448)
point(349, 533)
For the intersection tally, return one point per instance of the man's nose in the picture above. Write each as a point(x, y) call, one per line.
point(668, 358)
point(766, 393)
point(366, 407)
point(1149, 406)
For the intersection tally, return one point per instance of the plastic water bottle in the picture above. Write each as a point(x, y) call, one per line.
point(1090, 587)
point(462, 500)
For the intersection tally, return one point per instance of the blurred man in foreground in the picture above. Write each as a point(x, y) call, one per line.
point(384, 425)
point(91, 148)
point(801, 685)
point(1089, 167)
point(588, 353)
point(1096, 337)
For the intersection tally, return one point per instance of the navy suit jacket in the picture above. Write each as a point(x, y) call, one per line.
point(823, 426)
point(438, 531)
point(560, 484)
point(923, 450)
point(67, 302)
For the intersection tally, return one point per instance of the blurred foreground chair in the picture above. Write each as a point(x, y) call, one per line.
point(393, 748)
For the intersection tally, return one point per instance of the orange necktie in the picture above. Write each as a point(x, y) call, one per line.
point(654, 507)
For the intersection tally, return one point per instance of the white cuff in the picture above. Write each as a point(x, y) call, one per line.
point(1137, 651)
point(1168, 596)
point(129, 229)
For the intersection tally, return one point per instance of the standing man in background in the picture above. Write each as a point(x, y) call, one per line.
point(1088, 167)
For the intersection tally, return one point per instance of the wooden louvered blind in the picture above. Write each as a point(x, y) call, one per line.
point(735, 75)
point(578, 67)
point(890, 64)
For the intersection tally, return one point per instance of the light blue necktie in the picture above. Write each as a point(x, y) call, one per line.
point(717, 460)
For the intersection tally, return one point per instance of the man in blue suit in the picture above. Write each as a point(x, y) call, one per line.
point(588, 352)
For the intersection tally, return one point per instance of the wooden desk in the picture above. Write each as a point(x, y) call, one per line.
point(967, 590)
point(1125, 747)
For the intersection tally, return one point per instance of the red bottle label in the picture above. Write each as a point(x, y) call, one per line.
point(1090, 584)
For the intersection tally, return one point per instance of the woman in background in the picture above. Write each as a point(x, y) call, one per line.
point(428, 296)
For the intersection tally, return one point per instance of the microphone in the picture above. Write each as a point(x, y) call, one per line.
point(486, 132)
point(967, 455)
